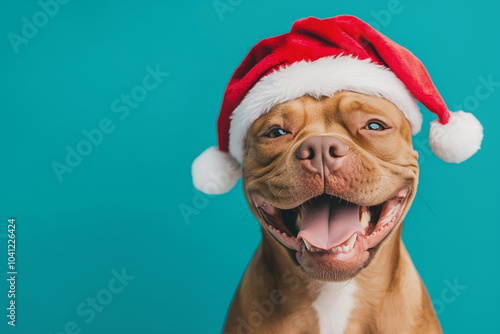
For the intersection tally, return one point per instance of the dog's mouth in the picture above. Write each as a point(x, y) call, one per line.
point(328, 225)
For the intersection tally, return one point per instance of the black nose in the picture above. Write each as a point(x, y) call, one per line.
point(318, 151)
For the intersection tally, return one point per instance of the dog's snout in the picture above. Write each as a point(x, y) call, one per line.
point(317, 151)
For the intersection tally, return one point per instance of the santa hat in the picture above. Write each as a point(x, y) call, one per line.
point(319, 58)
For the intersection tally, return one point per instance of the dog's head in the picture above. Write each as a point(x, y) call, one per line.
point(330, 178)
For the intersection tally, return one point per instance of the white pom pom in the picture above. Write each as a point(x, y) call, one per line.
point(215, 172)
point(457, 140)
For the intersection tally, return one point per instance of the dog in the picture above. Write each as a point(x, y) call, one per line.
point(318, 123)
point(338, 171)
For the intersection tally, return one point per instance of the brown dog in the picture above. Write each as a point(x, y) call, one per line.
point(320, 120)
point(311, 164)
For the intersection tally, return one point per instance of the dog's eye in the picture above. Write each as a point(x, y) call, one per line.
point(375, 126)
point(276, 132)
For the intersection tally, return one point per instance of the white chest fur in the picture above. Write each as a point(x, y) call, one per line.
point(334, 305)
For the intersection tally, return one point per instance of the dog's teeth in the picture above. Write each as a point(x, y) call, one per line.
point(351, 241)
point(342, 248)
point(308, 245)
point(365, 218)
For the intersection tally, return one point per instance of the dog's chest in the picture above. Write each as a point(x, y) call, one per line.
point(334, 305)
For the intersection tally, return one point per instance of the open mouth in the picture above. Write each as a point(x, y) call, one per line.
point(328, 225)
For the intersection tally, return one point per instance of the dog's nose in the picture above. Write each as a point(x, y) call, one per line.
point(317, 151)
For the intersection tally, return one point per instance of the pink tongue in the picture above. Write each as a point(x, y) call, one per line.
point(326, 223)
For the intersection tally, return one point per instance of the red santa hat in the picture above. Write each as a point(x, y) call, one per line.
point(319, 58)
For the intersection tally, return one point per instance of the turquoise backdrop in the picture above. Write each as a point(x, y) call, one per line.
point(104, 105)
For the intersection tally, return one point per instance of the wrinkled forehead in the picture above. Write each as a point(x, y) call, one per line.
point(341, 107)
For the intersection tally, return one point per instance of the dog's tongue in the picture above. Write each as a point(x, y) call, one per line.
point(329, 222)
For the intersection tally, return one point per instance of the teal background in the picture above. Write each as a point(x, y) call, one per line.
point(121, 206)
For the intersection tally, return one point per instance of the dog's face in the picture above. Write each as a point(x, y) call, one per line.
point(330, 178)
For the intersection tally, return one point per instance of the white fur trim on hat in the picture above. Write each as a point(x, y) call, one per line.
point(323, 77)
point(458, 139)
point(215, 172)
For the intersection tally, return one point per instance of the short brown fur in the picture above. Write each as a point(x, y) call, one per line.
point(391, 297)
